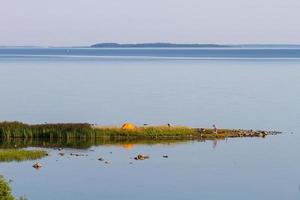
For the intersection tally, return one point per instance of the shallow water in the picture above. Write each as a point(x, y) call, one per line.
point(233, 93)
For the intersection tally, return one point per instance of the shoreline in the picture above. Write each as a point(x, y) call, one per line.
point(15, 130)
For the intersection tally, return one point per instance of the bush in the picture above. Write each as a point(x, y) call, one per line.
point(5, 191)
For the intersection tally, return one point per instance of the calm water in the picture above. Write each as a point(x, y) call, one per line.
point(234, 88)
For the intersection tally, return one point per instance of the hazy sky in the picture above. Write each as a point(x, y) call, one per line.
point(84, 22)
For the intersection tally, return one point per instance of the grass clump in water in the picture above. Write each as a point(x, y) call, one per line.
point(5, 191)
point(8, 155)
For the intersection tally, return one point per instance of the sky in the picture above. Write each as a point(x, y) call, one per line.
point(85, 22)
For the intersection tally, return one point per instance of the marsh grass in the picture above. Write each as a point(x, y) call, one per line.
point(5, 190)
point(21, 130)
point(150, 132)
point(8, 155)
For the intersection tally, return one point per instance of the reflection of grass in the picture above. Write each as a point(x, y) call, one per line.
point(82, 143)
point(7, 155)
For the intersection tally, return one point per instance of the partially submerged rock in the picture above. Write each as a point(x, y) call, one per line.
point(76, 154)
point(37, 165)
point(141, 157)
point(107, 162)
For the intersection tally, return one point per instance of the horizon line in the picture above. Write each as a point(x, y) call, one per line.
point(226, 45)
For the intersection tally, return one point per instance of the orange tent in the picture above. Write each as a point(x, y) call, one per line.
point(128, 127)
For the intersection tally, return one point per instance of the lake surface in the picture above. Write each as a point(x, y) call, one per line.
point(233, 88)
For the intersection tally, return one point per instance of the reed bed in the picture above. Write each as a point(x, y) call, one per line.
point(21, 130)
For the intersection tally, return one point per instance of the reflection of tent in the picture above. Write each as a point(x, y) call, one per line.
point(128, 146)
point(128, 126)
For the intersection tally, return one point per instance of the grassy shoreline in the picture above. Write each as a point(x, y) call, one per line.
point(10, 130)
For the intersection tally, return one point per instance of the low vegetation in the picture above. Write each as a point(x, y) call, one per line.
point(5, 191)
point(12, 130)
point(8, 155)
point(21, 130)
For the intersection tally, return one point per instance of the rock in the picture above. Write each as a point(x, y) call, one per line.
point(165, 156)
point(107, 162)
point(61, 154)
point(101, 159)
point(141, 157)
point(76, 154)
point(37, 165)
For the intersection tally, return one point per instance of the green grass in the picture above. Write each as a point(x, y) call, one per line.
point(149, 132)
point(8, 155)
point(165, 132)
point(5, 191)
point(12, 130)
point(21, 130)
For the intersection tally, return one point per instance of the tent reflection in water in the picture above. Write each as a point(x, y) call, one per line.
point(128, 127)
point(128, 146)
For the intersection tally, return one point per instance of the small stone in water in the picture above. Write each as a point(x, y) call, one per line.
point(141, 157)
point(37, 165)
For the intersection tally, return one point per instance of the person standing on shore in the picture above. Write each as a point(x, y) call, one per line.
point(215, 129)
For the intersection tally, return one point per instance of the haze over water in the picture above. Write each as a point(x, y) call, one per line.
point(252, 89)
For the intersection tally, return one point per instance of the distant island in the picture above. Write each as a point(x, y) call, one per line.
point(169, 45)
point(157, 45)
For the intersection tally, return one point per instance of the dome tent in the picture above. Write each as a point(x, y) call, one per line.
point(128, 127)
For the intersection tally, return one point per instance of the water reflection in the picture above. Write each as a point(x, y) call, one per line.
point(215, 143)
point(76, 143)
